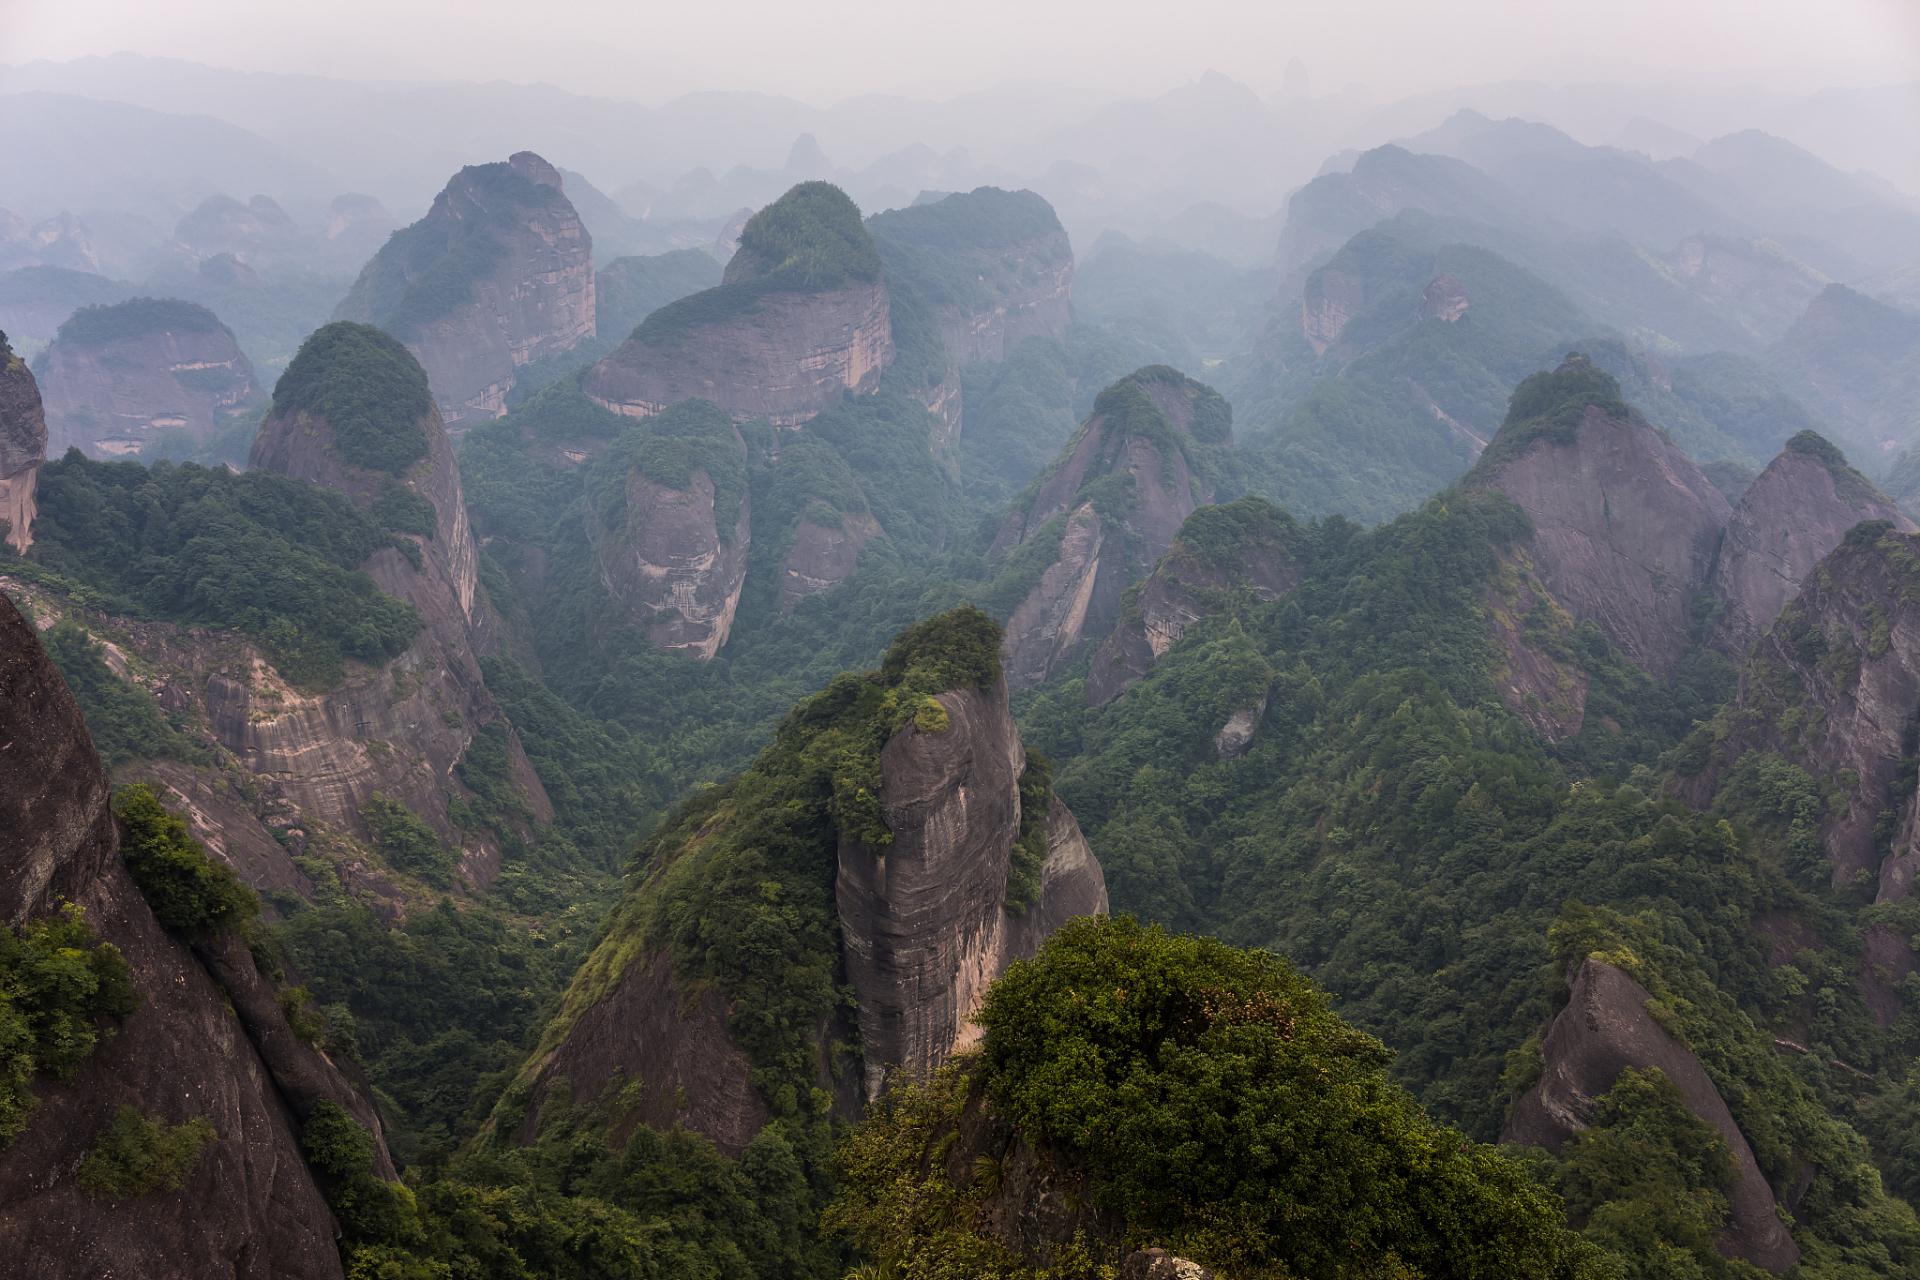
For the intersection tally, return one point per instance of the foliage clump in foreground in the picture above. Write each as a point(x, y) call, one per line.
point(192, 896)
point(54, 981)
point(1230, 1117)
point(137, 1156)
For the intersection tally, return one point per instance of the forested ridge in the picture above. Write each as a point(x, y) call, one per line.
point(1339, 942)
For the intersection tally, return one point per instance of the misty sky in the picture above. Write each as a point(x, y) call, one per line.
point(824, 50)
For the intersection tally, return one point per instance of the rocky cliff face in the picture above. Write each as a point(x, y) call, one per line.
point(400, 730)
point(498, 275)
point(785, 357)
point(800, 319)
point(671, 546)
point(924, 931)
point(1625, 525)
point(1605, 1029)
point(995, 266)
point(1834, 686)
point(1145, 432)
point(1243, 550)
point(1785, 523)
point(208, 1040)
point(1330, 299)
point(823, 556)
point(23, 447)
point(117, 377)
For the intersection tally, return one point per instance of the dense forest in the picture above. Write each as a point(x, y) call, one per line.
point(1289, 616)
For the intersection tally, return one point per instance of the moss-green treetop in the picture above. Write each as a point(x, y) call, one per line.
point(368, 387)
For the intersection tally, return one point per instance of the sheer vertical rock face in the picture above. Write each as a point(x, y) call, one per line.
point(1625, 530)
point(109, 398)
point(1783, 525)
point(1330, 300)
point(678, 579)
point(1168, 604)
point(535, 301)
point(1832, 685)
point(1605, 1029)
point(784, 357)
point(923, 928)
point(1078, 597)
point(402, 729)
point(824, 557)
point(23, 447)
point(1027, 293)
point(251, 1206)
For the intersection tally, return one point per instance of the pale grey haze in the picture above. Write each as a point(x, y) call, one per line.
point(824, 50)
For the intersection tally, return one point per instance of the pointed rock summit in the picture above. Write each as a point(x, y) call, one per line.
point(1105, 511)
point(23, 447)
point(1784, 524)
point(497, 276)
point(1625, 526)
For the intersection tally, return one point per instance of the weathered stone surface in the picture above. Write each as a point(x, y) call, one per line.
point(250, 1208)
point(1832, 685)
point(678, 578)
point(331, 751)
point(1625, 529)
point(1078, 597)
point(23, 447)
point(536, 302)
point(824, 557)
point(922, 927)
point(787, 357)
point(1158, 1264)
point(112, 397)
point(1330, 300)
point(1605, 1029)
point(1445, 299)
point(1181, 590)
point(1237, 733)
point(1784, 524)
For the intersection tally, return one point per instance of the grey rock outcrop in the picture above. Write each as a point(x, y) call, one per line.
point(995, 266)
point(23, 447)
point(330, 751)
point(824, 555)
point(923, 928)
point(1833, 685)
point(1625, 525)
point(497, 276)
point(251, 1206)
point(1222, 556)
point(1784, 524)
point(1143, 429)
point(1605, 1029)
point(787, 358)
point(677, 562)
point(116, 377)
point(790, 330)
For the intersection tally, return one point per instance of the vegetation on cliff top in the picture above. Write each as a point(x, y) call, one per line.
point(368, 387)
point(1226, 1114)
point(810, 240)
point(692, 435)
point(136, 318)
point(1854, 489)
point(426, 270)
point(937, 248)
point(192, 896)
point(275, 558)
point(1549, 406)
